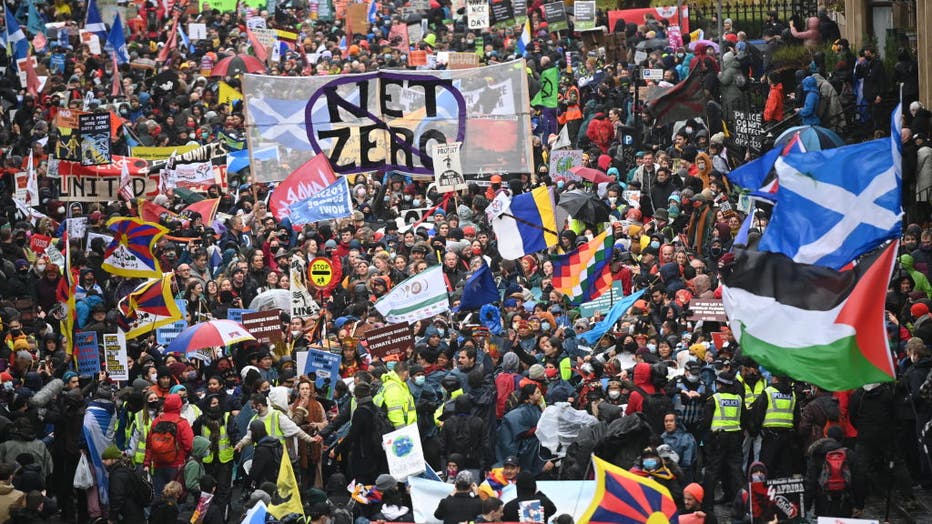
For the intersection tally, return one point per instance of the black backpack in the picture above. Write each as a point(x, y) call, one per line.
point(655, 407)
point(142, 487)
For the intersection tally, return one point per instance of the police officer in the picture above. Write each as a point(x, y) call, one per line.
point(753, 384)
point(724, 417)
point(217, 426)
point(276, 423)
point(776, 413)
point(395, 396)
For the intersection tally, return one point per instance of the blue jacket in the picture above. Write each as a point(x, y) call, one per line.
point(810, 110)
point(683, 443)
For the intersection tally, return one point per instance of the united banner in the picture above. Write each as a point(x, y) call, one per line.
point(392, 119)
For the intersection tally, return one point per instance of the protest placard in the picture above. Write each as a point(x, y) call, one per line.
point(86, 352)
point(477, 14)
point(404, 452)
point(389, 341)
point(95, 139)
point(448, 169)
point(266, 326)
point(236, 314)
point(324, 367)
point(709, 310)
point(584, 15)
point(116, 360)
point(555, 13)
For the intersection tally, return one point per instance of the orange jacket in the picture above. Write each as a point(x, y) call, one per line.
point(773, 109)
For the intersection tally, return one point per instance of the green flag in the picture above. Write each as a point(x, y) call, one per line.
point(549, 89)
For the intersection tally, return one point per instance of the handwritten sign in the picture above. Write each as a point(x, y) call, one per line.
point(749, 130)
point(477, 14)
point(115, 357)
point(88, 357)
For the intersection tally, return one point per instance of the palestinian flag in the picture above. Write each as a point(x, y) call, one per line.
point(809, 322)
point(683, 101)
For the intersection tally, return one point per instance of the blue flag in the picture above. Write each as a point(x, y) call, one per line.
point(752, 175)
point(94, 23)
point(480, 289)
point(117, 40)
point(613, 315)
point(332, 202)
point(15, 37)
point(835, 205)
point(35, 22)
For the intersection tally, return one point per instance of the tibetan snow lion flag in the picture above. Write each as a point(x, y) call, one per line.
point(810, 322)
point(621, 497)
point(130, 254)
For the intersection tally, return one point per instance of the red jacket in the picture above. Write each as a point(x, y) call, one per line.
point(773, 110)
point(171, 412)
point(641, 380)
point(601, 131)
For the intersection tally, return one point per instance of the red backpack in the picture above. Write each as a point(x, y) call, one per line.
point(163, 443)
point(505, 384)
point(835, 477)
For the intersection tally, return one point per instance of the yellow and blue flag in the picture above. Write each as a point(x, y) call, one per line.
point(526, 223)
point(621, 497)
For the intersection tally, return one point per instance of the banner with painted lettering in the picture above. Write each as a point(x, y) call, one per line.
point(95, 138)
point(324, 367)
point(332, 202)
point(448, 169)
point(404, 452)
point(196, 169)
point(266, 326)
point(86, 353)
point(637, 16)
point(116, 360)
point(154, 153)
point(102, 183)
point(391, 120)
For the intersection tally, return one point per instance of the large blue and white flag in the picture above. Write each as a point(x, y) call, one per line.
point(117, 41)
point(35, 23)
point(835, 205)
point(99, 430)
point(281, 121)
point(373, 12)
point(525, 39)
point(332, 202)
point(15, 37)
point(94, 23)
point(618, 309)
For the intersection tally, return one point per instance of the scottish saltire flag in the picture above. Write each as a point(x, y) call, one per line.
point(618, 309)
point(622, 497)
point(373, 13)
point(117, 40)
point(586, 273)
point(835, 205)
point(15, 37)
point(480, 289)
point(130, 254)
point(35, 22)
point(525, 39)
point(93, 22)
point(281, 121)
point(526, 223)
point(99, 429)
point(754, 174)
point(237, 160)
point(185, 40)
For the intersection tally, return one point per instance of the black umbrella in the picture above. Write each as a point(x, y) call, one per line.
point(584, 206)
point(652, 43)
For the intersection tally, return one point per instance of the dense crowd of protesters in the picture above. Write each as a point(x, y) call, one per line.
point(657, 386)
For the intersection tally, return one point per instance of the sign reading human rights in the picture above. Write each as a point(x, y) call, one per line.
point(392, 120)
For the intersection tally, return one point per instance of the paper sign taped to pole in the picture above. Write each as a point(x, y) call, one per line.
point(448, 169)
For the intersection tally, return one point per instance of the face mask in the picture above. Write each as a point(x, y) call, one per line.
point(631, 347)
point(16, 332)
point(40, 268)
point(758, 477)
point(20, 242)
point(655, 244)
point(154, 405)
point(416, 202)
point(230, 383)
point(715, 251)
point(614, 394)
point(408, 198)
point(650, 464)
point(652, 348)
point(692, 378)
point(680, 55)
point(612, 200)
point(391, 365)
point(441, 332)
point(545, 326)
point(419, 380)
point(153, 378)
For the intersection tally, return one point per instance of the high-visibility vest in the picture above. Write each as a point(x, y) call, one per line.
point(727, 414)
point(139, 454)
point(751, 394)
point(272, 426)
point(780, 407)
point(223, 442)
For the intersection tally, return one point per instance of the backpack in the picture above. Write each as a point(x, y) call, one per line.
point(341, 514)
point(142, 487)
point(505, 384)
point(654, 407)
point(383, 426)
point(835, 477)
point(163, 442)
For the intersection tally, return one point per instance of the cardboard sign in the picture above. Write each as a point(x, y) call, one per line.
point(388, 341)
point(555, 13)
point(266, 326)
point(86, 352)
point(357, 17)
point(417, 58)
point(562, 160)
point(448, 169)
point(302, 303)
point(197, 31)
point(404, 452)
point(477, 15)
point(91, 236)
point(116, 361)
point(457, 60)
point(95, 139)
point(709, 310)
point(749, 130)
point(584, 15)
point(786, 495)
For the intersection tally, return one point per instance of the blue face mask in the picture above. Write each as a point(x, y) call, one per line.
point(655, 244)
point(419, 380)
point(650, 464)
point(391, 365)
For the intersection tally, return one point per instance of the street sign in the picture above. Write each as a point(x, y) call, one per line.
point(322, 273)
